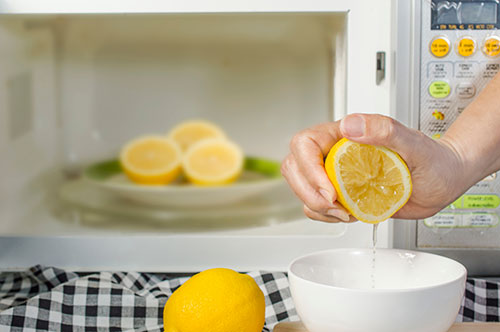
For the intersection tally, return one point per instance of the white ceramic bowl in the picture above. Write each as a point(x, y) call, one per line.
point(414, 291)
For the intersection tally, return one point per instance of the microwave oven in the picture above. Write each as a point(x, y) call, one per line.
point(79, 79)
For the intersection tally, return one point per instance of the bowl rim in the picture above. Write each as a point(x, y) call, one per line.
point(463, 274)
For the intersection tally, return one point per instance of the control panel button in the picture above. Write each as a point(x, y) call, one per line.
point(481, 201)
point(466, 90)
point(489, 70)
point(440, 47)
point(466, 69)
point(466, 47)
point(491, 46)
point(440, 69)
point(458, 203)
point(480, 220)
point(443, 220)
point(439, 89)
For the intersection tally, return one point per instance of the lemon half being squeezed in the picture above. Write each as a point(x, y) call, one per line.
point(372, 182)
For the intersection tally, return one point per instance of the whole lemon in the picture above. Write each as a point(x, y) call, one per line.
point(216, 300)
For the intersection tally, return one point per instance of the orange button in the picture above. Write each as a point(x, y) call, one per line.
point(440, 47)
point(466, 47)
point(492, 46)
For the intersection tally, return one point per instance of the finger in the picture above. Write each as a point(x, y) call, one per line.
point(327, 218)
point(312, 198)
point(325, 135)
point(381, 130)
point(309, 149)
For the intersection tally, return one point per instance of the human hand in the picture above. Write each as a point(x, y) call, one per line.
point(435, 166)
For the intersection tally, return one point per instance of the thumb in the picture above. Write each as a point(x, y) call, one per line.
point(375, 129)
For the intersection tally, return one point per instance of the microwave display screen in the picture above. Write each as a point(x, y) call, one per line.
point(465, 15)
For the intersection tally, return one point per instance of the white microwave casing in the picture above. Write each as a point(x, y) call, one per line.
point(368, 27)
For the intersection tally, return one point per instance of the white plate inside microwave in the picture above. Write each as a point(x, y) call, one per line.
point(95, 206)
point(259, 176)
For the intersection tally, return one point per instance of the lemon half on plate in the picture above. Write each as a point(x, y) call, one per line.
point(212, 162)
point(188, 133)
point(151, 160)
point(372, 182)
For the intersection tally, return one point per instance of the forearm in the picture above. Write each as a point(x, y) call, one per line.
point(475, 135)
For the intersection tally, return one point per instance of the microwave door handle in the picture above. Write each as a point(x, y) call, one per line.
point(380, 73)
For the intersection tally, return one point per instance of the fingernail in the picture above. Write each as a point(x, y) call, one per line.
point(342, 215)
point(326, 194)
point(353, 126)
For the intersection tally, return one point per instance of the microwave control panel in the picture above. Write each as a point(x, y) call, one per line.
point(460, 54)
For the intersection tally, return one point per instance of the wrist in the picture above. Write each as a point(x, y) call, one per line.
point(458, 174)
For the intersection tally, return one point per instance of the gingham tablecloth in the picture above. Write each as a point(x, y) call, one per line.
point(50, 299)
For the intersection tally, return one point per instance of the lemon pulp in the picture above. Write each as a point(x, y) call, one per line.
point(372, 182)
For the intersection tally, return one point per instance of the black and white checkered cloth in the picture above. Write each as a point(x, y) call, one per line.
point(481, 301)
point(46, 298)
point(50, 299)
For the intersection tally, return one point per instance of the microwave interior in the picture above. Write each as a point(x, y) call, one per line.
point(75, 88)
